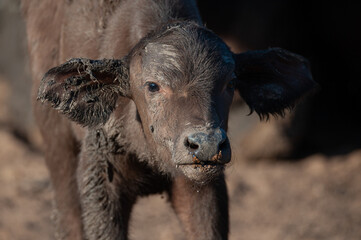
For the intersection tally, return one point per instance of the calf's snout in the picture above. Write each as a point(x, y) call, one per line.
point(209, 145)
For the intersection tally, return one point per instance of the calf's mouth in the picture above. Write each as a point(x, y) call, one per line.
point(214, 162)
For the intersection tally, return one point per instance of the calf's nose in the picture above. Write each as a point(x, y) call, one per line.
point(212, 145)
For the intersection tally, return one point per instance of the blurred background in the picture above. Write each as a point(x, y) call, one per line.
point(292, 178)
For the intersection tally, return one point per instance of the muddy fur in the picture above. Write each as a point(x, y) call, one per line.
point(102, 215)
point(109, 181)
point(85, 90)
point(151, 116)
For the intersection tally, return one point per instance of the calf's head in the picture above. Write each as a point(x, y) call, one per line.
point(182, 78)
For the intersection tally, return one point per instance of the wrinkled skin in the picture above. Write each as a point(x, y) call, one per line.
point(155, 120)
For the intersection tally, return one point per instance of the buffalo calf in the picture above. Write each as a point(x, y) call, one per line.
point(150, 115)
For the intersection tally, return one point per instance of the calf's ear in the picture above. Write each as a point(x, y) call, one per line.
point(271, 80)
point(86, 90)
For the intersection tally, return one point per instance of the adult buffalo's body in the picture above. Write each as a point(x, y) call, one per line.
point(151, 116)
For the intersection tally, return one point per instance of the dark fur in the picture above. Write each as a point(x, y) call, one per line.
point(272, 79)
point(137, 141)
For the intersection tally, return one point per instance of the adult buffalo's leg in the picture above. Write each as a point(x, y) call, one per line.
point(61, 156)
point(202, 210)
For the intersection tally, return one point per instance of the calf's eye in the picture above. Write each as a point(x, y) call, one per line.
point(153, 87)
point(231, 84)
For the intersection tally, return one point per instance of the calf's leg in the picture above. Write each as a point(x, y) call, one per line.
point(105, 207)
point(202, 210)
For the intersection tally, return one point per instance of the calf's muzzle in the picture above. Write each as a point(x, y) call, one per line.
point(209, 146)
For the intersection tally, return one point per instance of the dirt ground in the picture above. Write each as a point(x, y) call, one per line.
point(315, 198)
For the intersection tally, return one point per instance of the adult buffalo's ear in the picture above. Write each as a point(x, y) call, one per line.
point(271, 80)
point(86, 90)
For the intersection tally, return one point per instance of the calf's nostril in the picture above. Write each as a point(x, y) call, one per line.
point(222, 144)
point(193, 146)
point(190, 144)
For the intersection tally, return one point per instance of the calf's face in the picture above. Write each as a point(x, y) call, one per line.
point(182, 79)
point(182, 85)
